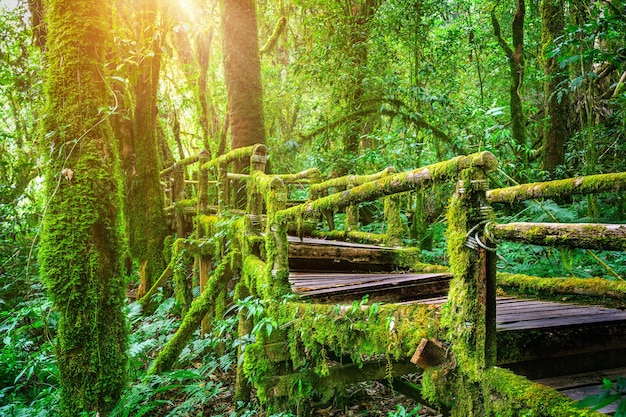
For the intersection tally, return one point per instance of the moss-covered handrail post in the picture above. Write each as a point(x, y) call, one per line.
point(276, 243)
point(203, 260)
point(352, 211)
point(178, 193)
point(469, 317)
point(258, 160)
point(393, 218)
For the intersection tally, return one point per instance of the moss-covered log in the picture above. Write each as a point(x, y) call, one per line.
point(145, 300)
point(350, 180)
point(190, 160)
point(232, 156)
point(392, 184)
point(301, 177)
point(338, 377)
point(192, 320)
point(581, 185)
point(577, 235)
point(597, 291)
point(316, 331)
point(504, 394)
point(81, 244)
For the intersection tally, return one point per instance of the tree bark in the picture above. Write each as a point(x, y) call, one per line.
point(145, 220)
point(556, 101)
point(243, 74)
point(515, 56)
point(81, 245)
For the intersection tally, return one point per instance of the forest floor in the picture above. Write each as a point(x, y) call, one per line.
point(362, 399)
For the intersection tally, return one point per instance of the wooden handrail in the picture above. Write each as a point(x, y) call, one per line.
point(184, 162)
point(578, 235)
point(309, 174)
point(351, 180)
point(571, 186)
point(393, 184)
point(232, 156)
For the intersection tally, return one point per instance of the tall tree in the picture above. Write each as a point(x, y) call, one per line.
point(515, 56)
point(81, 245)
point(556, 100)
point(360, 14)
point(243, 73)
point(145, 221)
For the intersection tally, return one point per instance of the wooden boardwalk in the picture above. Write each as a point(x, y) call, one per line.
point(569, 347)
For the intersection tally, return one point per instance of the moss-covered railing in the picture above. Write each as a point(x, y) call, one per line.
point(588, 236)
point(297, 347)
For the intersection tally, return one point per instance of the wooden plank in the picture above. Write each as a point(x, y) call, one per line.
point(551, 322)
point(349, 281)
point(378, 281)
point(309, 241)
point(582, 385)
point(402, 287)
point(581, 379)
point(580, 393)
point(555, 314)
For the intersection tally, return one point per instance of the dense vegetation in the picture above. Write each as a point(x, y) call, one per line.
point(348, 86)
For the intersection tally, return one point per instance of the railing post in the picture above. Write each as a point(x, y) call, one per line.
point(395, 226)
point(470, 321)
point(203, 183)
point(203, 261)
point(352, 211)
point(178, 192)
point(222, 188)
point(258, 160)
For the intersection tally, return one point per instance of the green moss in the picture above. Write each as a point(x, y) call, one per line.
point(558, 188)
point(200, 307)
point(396, 229)
point(510, 395)
point(392, 184)
point(232, 156)
point(358, 330)
point(582, 290)
point(180, 263)
point(81, 243)
point(181, 206)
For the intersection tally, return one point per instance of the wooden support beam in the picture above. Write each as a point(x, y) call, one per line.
point(340, 376)
point(579, 235)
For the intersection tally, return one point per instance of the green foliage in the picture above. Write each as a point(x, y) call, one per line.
point(613, 392)
point(561, 262)
point(403, 412)
point(191, 389)
point(28, 371)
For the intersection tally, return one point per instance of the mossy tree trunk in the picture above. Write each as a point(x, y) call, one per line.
point(145, 220)
point(515, 57)
point(243, 74)
point(557, 101)
point(81, 244)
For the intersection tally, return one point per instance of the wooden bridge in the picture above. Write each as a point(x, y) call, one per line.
point(325, 304)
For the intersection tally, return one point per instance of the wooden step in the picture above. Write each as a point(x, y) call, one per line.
point(308, 254)
point(542, 339)
point(333, 287)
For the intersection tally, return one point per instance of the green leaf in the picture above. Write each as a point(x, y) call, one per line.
point(621, 409)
